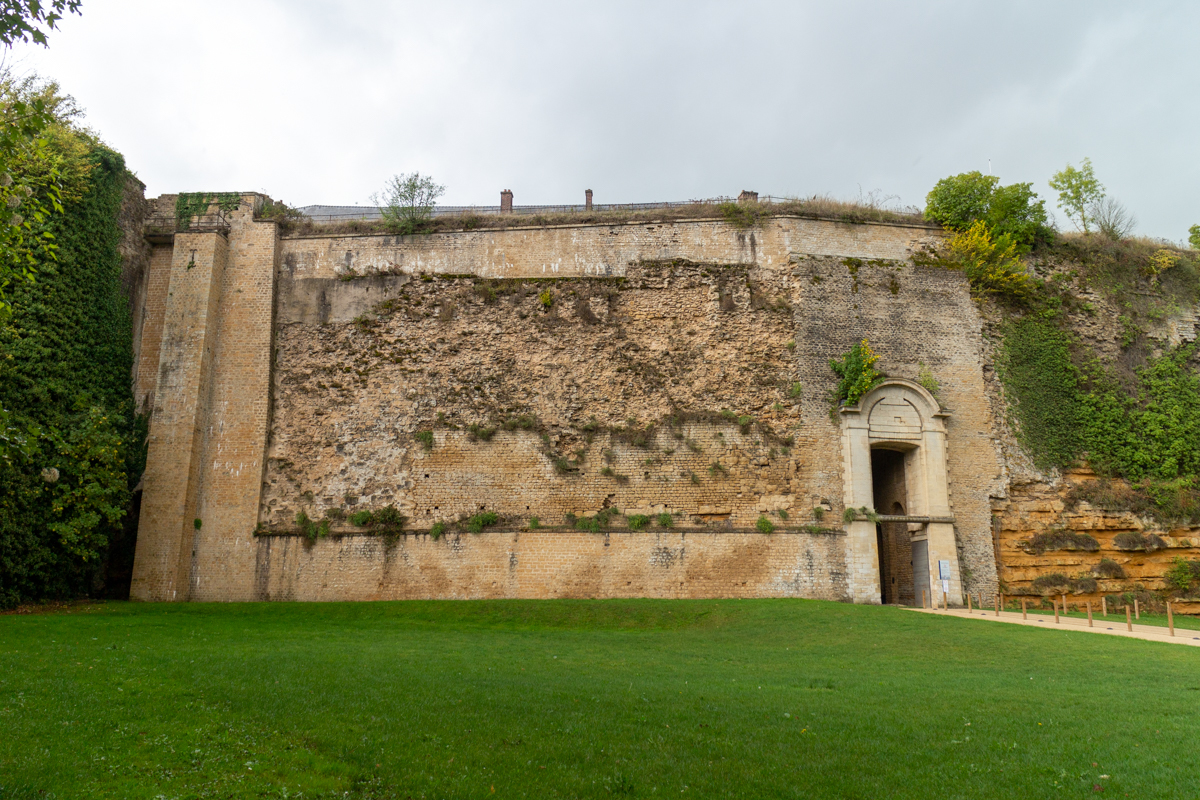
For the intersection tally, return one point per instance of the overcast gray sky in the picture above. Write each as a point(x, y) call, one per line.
point(317, 101)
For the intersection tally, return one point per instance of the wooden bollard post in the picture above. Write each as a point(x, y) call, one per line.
point(1128, 621)
point(1089, 607)
point(1064, 607)
point(1137, 611)
point(924, 599)
point(1104, 605)
point(998, 597)
point(981, 599)
point(1055, 602)
point(1170, 619)
point(1024, 609)
point(968, 602)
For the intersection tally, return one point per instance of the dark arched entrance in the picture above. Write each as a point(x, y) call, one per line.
point(893, 539)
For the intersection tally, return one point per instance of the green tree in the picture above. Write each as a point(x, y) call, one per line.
point(959, 201)
point(407, 201)
point(1017, 212)
point(23, 20)
point(1194, 237)
point(1078, 190)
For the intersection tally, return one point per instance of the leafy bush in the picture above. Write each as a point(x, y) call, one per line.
point(436, 530)
point(927, 380)
point(389, 518)
point(856, 374)
point(482, 520)
point(407, 202)
point(664, 520)
point(992, 264)
point(1194, 237)
point(764, 525)
point(311, 530)
point(476, 431)
point(1183, 574)
point(959, 201)
point(638, 521)
point(534, 523)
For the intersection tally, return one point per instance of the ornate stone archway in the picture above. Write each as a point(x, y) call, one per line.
point(900, 415)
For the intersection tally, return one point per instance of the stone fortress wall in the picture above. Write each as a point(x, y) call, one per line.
point(660, 368)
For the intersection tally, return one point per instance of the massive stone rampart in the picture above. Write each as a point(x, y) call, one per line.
point(674, 371)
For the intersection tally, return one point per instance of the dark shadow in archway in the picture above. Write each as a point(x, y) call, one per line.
point(892, 538)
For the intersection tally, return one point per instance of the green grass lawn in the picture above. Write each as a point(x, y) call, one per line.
point(625, 698)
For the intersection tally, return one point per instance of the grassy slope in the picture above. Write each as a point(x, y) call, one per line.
point(635, 698)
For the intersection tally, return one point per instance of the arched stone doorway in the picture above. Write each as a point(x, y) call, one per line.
point(894, 460)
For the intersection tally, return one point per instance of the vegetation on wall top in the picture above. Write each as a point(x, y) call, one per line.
point(191, 205)
point(962, 201)
point(407, 202)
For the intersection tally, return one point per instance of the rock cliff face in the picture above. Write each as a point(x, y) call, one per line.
point(1052, 542)
point(1043, 518)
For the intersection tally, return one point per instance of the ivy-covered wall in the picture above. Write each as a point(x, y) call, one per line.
point(1102, 373)
point(1095, 370)
point(74, 444)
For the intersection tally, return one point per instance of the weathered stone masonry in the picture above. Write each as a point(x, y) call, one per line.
point(294, 374)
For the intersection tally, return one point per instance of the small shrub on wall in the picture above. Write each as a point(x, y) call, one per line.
point(856, 374)
point(1184, 575)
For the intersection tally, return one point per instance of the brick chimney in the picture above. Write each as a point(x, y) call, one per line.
point(506, 201)
point(748, 197)
point(587, 200)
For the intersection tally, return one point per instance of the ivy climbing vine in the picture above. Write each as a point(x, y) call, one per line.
point(66, 405)
point(190, 205)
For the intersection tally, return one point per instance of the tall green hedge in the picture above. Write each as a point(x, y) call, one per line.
point(65, 362)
